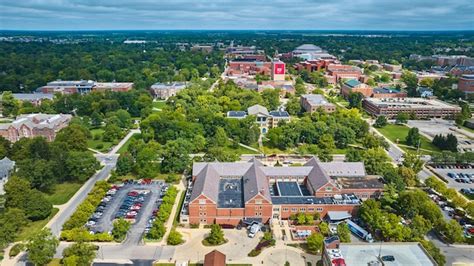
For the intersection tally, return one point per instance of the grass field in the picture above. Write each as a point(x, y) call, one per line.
point(239, 150)
point(96, 143)
point(467, 129)
point(54, 262)
point(34, 227)
point(62, 193)
point(124, 148)
point(398, 133)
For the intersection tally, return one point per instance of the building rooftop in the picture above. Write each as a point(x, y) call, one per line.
point(468, 76)
point(360, 182)
point(230, 193)
point(279, 114)
point(257, 109)
point(32, 96)
point(308, 48)
point(167, 86)
point(385, 90)
point(410, 103)
point(38, 121)
point(404, 253)
point(352, 83)
point(236, 114)
point(315, 99)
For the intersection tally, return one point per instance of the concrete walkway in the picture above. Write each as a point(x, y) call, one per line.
point(124, 140)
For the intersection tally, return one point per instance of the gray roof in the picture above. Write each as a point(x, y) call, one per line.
point(167, 86)
point(315, 99)
point(344, 169)
point(307, 48)
point(255, 176)
point(6, 166)
point(257, 109)
point(239, 114)
point(32, 96)
point(338, 215)
point(279, 114)
point(38, 121)
point(317, 176)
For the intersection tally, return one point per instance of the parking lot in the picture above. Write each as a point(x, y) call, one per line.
point(135, 201)
point(433, 127)
point(463, 178)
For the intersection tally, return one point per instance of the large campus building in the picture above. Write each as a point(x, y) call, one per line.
point(466, 83)
point(312, 102)
point(34, 125)
point(165, 90)
point(264, 119)
point(83, 86)
point(421, 107)
point(226, 193)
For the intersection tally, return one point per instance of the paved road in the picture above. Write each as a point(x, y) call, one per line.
point(68, 209)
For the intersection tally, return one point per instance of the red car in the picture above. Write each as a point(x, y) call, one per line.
point(132, 193)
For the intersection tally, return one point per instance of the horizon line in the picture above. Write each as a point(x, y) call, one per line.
point(301, 30)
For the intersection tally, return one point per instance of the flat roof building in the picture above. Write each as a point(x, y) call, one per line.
point(312, 102)
point(421, 107)
point(385, 253)
point(355, 86)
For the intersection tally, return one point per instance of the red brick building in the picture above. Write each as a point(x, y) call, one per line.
point(226, 193)
point(339, 72)
point(34, 125)
point(248, 67)
point(314, 65)
point(355, 86)
point(466, 83)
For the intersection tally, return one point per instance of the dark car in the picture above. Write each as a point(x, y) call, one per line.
point(388, 258)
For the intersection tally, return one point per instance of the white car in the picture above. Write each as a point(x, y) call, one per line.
point(253, 230)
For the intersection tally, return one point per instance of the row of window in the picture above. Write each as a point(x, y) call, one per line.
point(318, 209)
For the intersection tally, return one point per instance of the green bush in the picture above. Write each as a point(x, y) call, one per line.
point(254, 253)
point(99, 146)
point(82, 235)
point(174, 238)
point(87, 207)
point(120, 230)
point(16, 249)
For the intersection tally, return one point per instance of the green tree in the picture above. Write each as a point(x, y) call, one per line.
point(175, 156)
point(174, 238)
point(271, 98)
point(41, 247)
point(413, 161)
point(344, 233)
point(419, 228)
point(324, 228)
point(125, 164)
point(375, 160)
point(112, 132)
point(315, 243)
point(81, 165)
point(79, 253)
point(120, 229)
point(452, 231)
point(74, 137)
point(355, 100)
point(381, 121)
point(216, 236)
point(293, 106)
point(411, 81)
point(402, 118)
point(157, 230)
point(220, 138)
point(413, 138)
point(10, 105)
point(11, 221)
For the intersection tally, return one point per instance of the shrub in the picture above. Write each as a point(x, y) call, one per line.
point(99, 146)
point(16, 249)
point(120, 230)
point(174, 238)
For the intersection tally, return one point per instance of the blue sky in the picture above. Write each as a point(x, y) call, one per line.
point(243, 14)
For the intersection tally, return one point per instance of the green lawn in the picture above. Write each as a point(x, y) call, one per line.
point(398, 133)
point(62, 193)
point(468, 129)
point(180, 206)
point(55, 262)
point(34, 227)
point(124, 148)
point(96, 144)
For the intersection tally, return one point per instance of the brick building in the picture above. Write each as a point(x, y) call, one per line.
point(113, 86)
point(34, 125)
point(421, 107)
point(384, 92)
point(337, 72)
point(313, 102)
point(263, 118)
point(83, 86)
point(226, 193)
point(466, 83)
point(314, 65)
point(248, 66)
point(353, 85)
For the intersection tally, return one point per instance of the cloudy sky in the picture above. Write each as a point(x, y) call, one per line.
point(237, 14)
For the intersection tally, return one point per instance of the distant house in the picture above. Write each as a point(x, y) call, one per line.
point(312, 102)
point(34, 125)
point(165, 90)
point(6, 168)
point(264, 119)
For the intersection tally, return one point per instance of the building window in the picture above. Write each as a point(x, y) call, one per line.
point(302, 209)
point(276, 209)
point(285, 209)
point(311, 209)
point(294, 209)
point(319, 209)
point(258, 201)
point(202, 201)
point(328, 188)
point(260, 208)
